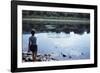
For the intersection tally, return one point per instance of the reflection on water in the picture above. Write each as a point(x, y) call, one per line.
point(61, 46)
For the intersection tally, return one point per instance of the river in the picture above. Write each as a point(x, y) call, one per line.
point(61, 46)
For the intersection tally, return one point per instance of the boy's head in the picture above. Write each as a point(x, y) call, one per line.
point(33, 31)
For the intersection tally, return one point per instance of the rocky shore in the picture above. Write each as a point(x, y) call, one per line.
point(27, 57)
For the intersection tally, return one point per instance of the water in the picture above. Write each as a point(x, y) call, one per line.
point(61, 46)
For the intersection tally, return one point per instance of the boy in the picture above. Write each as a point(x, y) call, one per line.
point(32, 45)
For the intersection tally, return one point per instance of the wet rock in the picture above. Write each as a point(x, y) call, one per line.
point(53, 58)
point(49, 55)
point(63, 55)
point(70, 57)
point(82, 53)
point(38, 60)
point(38, 55)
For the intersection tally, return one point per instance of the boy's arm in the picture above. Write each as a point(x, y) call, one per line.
point(36, 40)
point(29, 45)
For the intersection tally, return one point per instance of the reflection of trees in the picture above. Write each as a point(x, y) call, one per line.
point(46, 26)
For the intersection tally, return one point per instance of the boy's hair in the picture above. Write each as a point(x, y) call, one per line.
point(33, 31)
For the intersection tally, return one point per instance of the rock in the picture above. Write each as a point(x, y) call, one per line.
point(70, 57)
point(63, 55)
point(53, 58)
point(82, 53)
point(38, 60)
point(49, 55)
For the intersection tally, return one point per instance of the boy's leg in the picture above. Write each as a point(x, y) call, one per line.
point(33, 56)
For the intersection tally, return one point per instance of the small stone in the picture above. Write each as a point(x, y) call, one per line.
point(82, 53)
point(70, 57)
